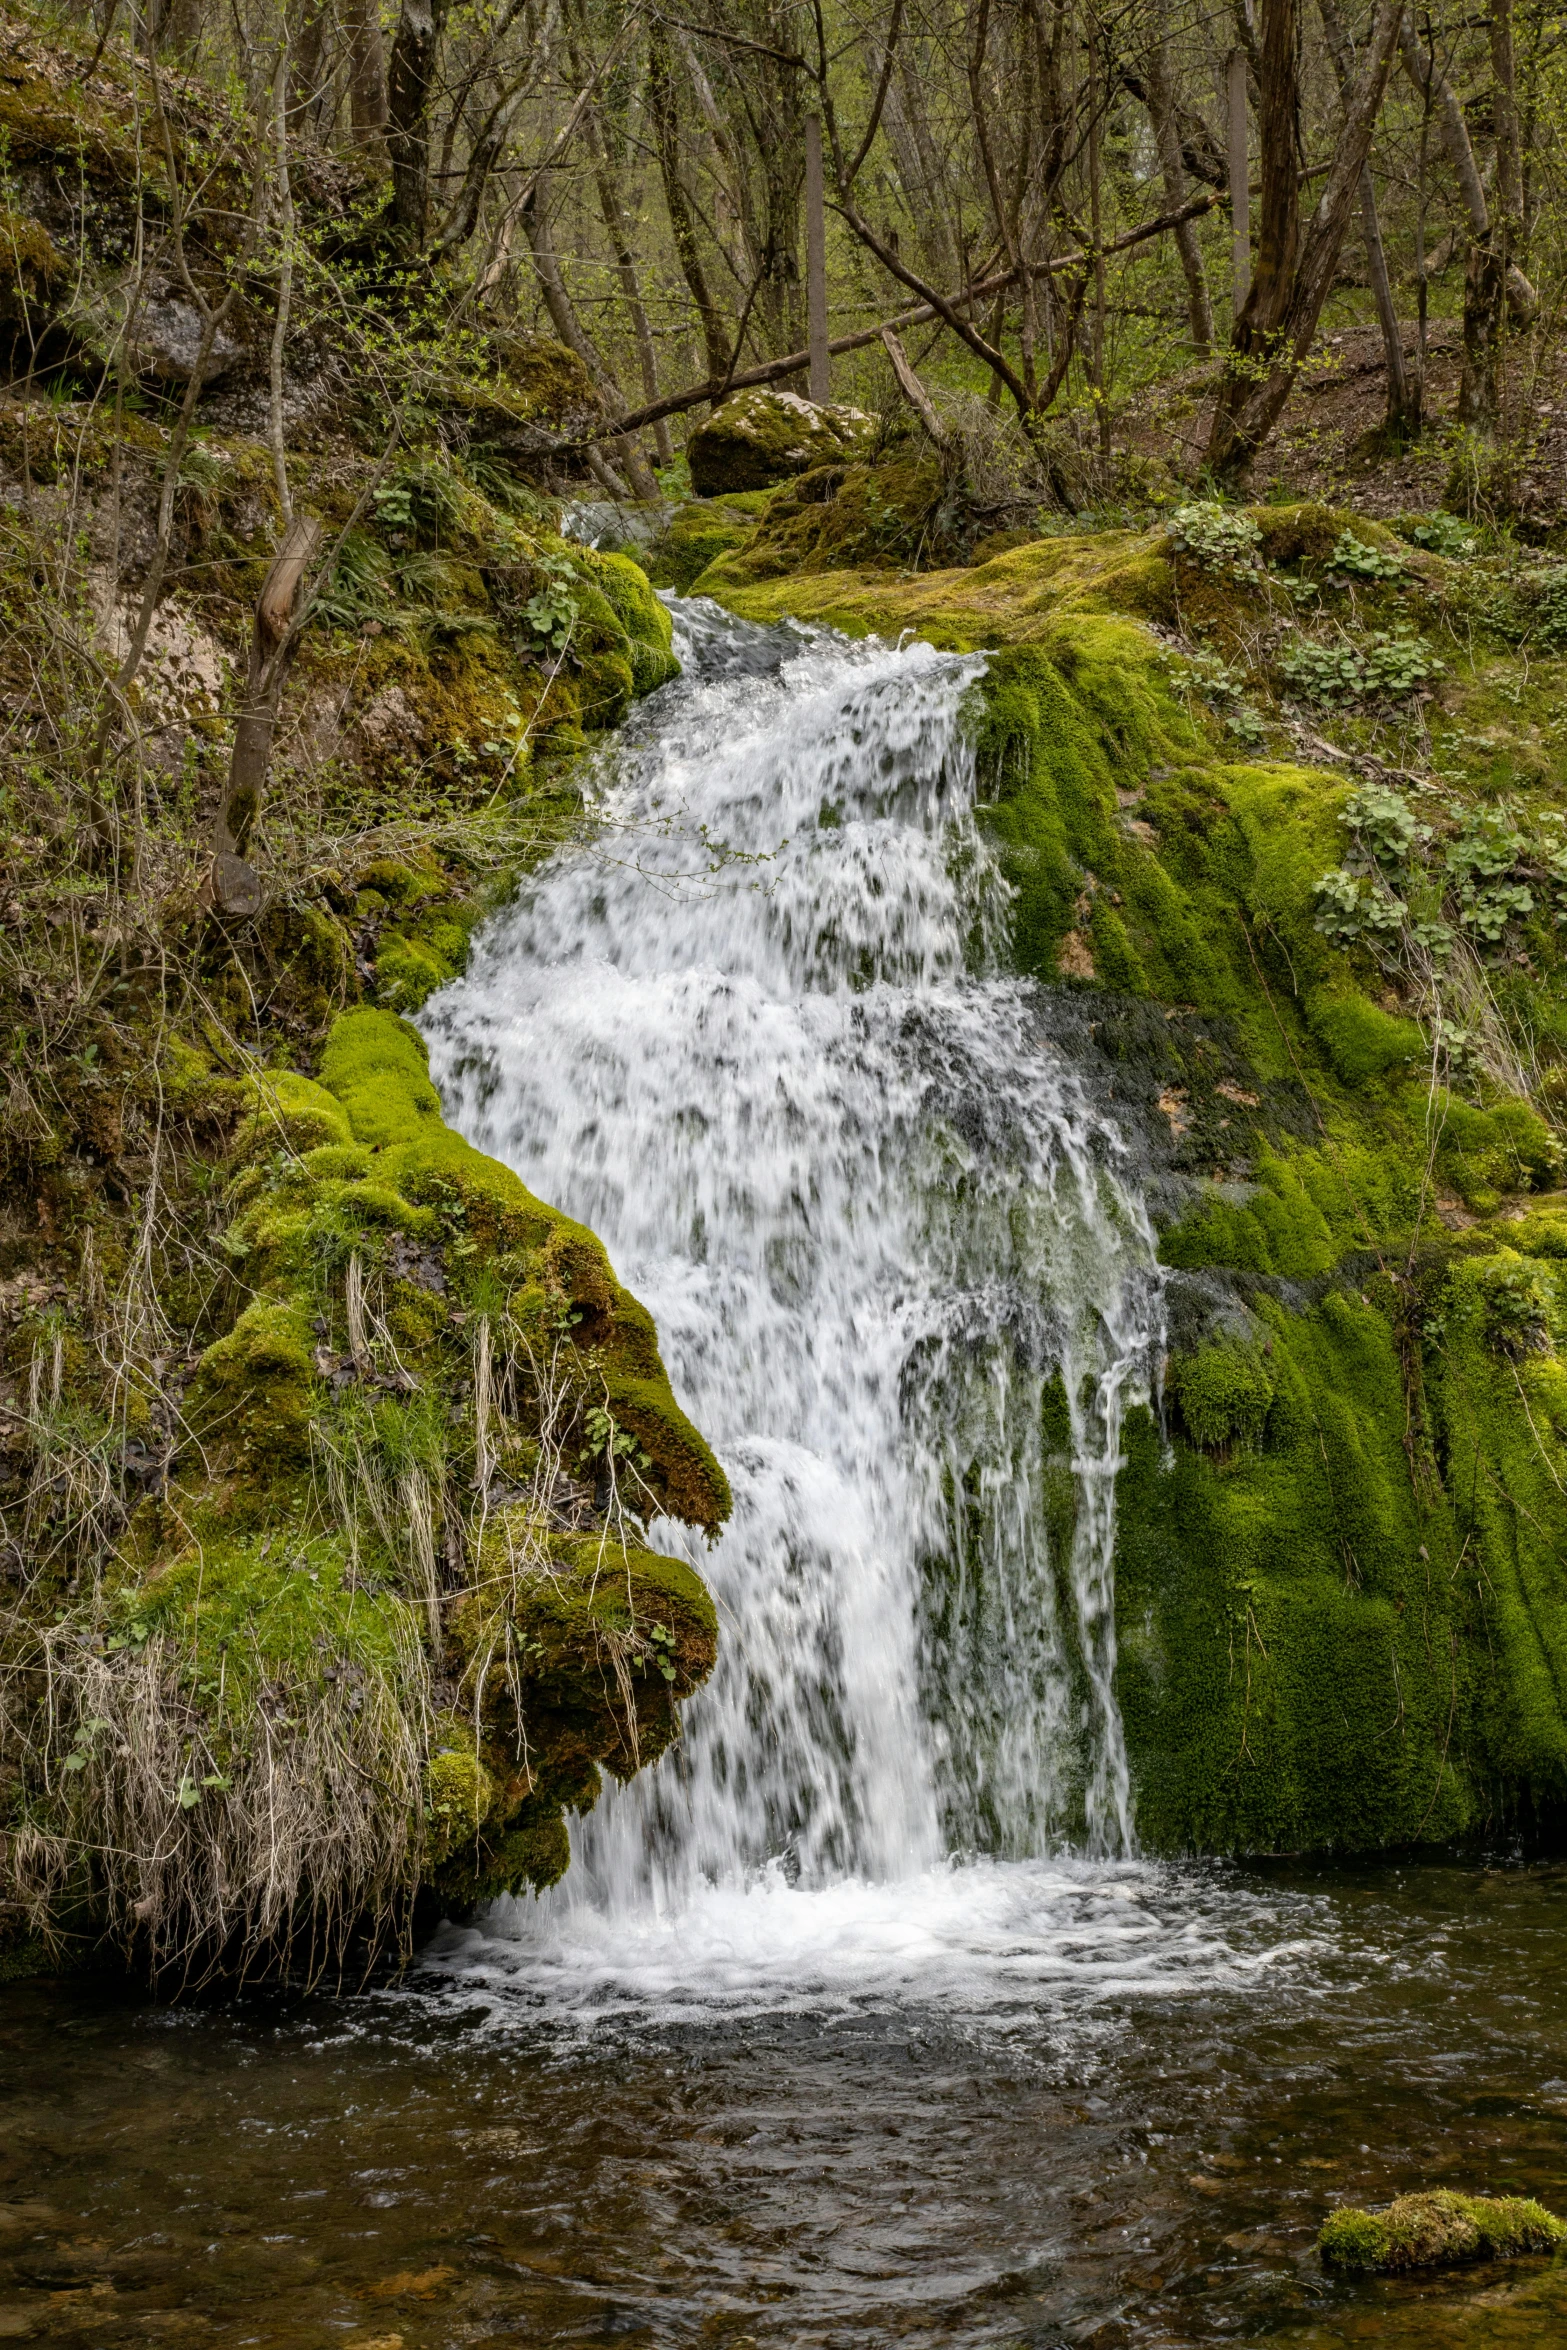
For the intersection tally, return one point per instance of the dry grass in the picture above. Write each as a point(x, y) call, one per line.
point(211, 1830)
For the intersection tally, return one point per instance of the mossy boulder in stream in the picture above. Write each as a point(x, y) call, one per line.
point(1341, 1567)
point(1439, 2230)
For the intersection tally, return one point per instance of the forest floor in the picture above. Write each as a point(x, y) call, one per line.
point(1328, 443)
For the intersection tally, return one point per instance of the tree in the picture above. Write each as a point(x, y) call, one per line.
point(1294, 265)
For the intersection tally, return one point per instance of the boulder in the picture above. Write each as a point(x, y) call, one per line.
point(763, 436)
point(166, 339)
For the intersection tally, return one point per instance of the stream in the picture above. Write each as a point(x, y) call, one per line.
point(862, 2019)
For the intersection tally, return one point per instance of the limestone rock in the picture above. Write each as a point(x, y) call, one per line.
point(763, 436)
point(166, 340)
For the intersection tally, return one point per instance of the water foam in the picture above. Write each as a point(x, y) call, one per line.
point(756, 1037)
point(984, 1945)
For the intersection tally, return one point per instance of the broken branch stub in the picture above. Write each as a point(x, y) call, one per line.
point(912, 389)
point(233, 886)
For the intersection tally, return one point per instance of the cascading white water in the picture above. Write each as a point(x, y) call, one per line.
point(756, 1038)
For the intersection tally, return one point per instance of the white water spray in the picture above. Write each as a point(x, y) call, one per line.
point(899, 1281)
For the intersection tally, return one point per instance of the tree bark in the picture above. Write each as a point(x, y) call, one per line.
point(232, 885)
point(664, 109)
point(366, 73)
point(612, 213)
point(563, 314)
point(409, 85)
point(1238, 181)
point(820, 376)
point(1403, 392)
point(1294, 269)
point(1492, 283)
point(1167, 138)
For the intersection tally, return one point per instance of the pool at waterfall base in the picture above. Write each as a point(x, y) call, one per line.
point(861, 2019)
point(1025, 2103)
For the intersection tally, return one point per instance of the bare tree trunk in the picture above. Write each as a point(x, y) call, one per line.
point(569, 327)
point(283, 206)
point(1161, 114)
point(1239, 182)
point(664, 109)
point(366, 72)
point(917, 168)
point(615, 228)
point(409, 86)
point(1294, 269)
point(1507, 211)
point(309, 68)
point(820, 378)
point(1491, 282)
point(1403, 395)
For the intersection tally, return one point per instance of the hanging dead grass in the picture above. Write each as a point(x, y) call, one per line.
point(272, 1824)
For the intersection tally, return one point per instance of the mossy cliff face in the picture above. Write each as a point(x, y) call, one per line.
point(1342, 1561)
point(386, 1610)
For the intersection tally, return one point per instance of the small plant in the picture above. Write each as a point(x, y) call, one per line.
point(606, 1442)
point(1354, 906)
point(1440, 534)
point(1218, 538)
point(1481, 864)
point(1519, 1298)
point(550, 614)
point(1222, 688)
point(1546, 605)
point(1386, 667)
point(1353, 557)
point(1385, 823)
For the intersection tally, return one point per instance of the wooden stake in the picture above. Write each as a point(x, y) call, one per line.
point(820, 376)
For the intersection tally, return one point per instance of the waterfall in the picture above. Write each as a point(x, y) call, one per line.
point(756, 1035)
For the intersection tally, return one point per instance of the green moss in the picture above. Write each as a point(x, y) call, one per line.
point(842, 514)
point(1439, 2230)
point(290, 1112)
point(1224, 1393)
point(696, 536)
point(761, 436)
point(375, 1065)
point(252, 1390)
point(460, 1795)
point(1484, 1153)
point(261, 1607)
point(1360, 1041)
point(647, 624)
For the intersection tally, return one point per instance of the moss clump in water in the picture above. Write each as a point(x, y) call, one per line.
point(1439, 2230)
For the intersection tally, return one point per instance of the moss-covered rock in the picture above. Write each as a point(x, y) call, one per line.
point(695, 536)
point(388, 1609)
point(762, 436)
point(1439, 2230)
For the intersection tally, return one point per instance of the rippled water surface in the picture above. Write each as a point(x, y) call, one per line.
point(1021, 2104)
